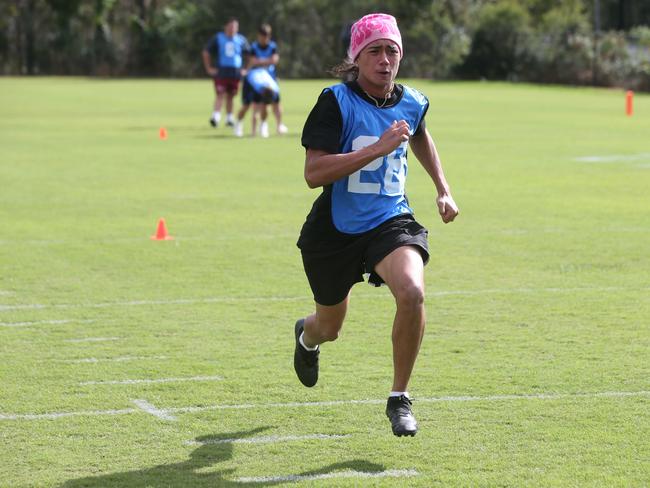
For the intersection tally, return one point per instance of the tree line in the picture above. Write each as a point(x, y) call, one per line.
point(599, 42)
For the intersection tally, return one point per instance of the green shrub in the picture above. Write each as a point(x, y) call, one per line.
point(639, 58)
point(435, 42)
point(563, 47)
point(500, 45)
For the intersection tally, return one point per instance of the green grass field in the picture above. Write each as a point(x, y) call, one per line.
point(127, 362)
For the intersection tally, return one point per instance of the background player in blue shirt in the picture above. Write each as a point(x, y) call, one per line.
point(356, 138)
point(264, 54)
point(223, 60)
point(265, 89)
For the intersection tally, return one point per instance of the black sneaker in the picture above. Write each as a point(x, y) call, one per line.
point(305, 362)
point(213, 122)
point(230, 123)
point(398, 410)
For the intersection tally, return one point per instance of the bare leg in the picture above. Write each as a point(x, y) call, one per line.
point(229, 102)
point(256, 111)
point(242, 112)
point(325, 324)
point(403, 272)
point(277, 111)
point(218, 101)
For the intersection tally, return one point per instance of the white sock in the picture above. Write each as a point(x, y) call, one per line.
point(229, 118)
point(302, 343)
point(216, 116)
point(399, 393)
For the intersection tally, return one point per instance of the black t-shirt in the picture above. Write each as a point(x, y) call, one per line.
point(324, 124)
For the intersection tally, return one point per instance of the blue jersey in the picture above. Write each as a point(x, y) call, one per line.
point(375, 193)
point(228, 50)
point(264, 53)
point(261, 80)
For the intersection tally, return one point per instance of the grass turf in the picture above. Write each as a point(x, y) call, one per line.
point(535, 364)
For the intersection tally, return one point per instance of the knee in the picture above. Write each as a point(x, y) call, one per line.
point(410, 296)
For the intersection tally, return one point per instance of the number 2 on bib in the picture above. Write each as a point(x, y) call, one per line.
point(395, 167)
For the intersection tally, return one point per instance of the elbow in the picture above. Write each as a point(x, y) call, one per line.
point(311, 181)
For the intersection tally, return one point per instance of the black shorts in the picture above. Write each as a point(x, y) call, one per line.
point(266, 100)
point(249, 95)
point(333, 269)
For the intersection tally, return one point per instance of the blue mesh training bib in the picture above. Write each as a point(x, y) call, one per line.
point(375, 193)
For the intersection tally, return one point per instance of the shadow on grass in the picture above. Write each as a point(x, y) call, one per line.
point(213, 450)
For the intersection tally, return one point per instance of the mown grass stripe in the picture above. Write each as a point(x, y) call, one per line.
point(151, 380)
point(93, 339)
point(118, 359)
point(44, 322)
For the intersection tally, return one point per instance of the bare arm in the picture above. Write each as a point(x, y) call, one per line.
point(264, 61)
point(323, 168)
point(207, 63)
point(425, 151)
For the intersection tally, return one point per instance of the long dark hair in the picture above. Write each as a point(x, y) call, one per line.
point(346, 70)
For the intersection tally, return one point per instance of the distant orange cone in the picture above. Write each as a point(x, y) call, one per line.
point(161, 232)
point(629, 103)
point(162, 133)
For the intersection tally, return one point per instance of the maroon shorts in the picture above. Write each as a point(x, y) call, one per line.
point(226, 85)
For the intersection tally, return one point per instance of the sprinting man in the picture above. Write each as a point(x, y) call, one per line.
point(264, 54)
point(223, 60)
point(356, 139)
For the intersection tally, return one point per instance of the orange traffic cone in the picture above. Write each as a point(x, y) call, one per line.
point(629, 103)
point(162, 133)
point(161, 232)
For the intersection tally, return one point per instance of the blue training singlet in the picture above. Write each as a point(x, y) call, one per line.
point(375, 193)
point(260, 79)
point(264, 53)
point(230, 50)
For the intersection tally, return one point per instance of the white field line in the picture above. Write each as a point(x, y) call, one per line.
point(391, 473)
point(614, 158)
point(112, 360)
point(45, 322)
point(149, 408)
point(306, 297)
point(245, 406)
point(151, 381)
point(136, 303)
point(59, 415)
point(332, 403)
point(269, 439)
point(93, 339)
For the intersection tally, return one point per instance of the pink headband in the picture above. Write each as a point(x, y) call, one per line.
point(371, 28)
